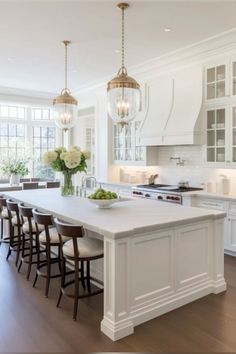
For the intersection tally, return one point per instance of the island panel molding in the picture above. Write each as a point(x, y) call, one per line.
point(167, 269)
point(157, 257)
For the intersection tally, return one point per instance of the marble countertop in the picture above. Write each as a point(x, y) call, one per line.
point(230, 197)
point(124, 218)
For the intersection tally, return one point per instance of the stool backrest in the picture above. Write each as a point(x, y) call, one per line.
point(73, 231)
point(12, 206)
point(30, 185)
point(43, 219)
point(52, 184)
point(3, 202)
point(26, 212)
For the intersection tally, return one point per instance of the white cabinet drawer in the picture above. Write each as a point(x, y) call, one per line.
point(232, 208)
point(211, 204)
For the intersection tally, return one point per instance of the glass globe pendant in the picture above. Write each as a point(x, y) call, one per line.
point(123, 91)
point(65, 105)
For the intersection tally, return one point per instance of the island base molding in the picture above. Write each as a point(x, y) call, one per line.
point(116, 331)
point(148, 275)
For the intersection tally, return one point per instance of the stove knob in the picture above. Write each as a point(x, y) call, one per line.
point(168, 197)
point(176, 198)
point(160, 197)
point(147, 195)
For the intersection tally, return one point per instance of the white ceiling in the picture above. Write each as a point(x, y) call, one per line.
point(31, 56)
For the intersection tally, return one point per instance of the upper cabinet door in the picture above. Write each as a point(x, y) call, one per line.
point(158, 106)
point(217, 83)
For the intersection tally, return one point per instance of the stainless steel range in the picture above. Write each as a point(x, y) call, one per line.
point(162, 192)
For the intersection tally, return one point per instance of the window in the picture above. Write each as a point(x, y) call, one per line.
point(12, 140)
point(27, 132)
point(41, 114)
point(12, 112)
point(43, 140)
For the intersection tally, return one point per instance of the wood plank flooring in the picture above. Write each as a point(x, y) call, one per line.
point(31, 323)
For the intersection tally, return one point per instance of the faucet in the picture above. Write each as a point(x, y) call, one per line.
point(180, 161)
point(90, 178)
point(82, 191)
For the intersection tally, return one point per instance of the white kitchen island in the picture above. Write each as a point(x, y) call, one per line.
point(157, 256)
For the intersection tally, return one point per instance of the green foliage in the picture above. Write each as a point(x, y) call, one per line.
point(14, 166)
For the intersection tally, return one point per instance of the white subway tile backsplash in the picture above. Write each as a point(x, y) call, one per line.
point(194, 170)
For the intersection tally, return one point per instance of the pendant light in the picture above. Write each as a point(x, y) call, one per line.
point(124, 96)
point(65, 105)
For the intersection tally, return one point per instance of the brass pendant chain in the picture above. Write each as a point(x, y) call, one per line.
point(66, 43)
point(123, 41)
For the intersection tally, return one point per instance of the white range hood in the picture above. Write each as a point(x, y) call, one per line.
point(173, 109)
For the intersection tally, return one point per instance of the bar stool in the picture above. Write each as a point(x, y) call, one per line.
point(52, 184)
point(30, 232)
point(30, 185)
point(78, 249)
point(14, 222)
point(48, 238)
point(3, 216)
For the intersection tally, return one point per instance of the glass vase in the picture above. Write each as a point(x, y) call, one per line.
point(67, 188)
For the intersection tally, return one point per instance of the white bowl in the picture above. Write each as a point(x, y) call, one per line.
point(103, 203)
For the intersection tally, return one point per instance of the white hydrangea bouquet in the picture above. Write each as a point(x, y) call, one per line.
point(68, 162)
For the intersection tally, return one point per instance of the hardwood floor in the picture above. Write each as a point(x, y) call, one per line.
point(31, 323)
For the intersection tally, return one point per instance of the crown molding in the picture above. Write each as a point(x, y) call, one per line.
point(199, 52)
point(9, 94)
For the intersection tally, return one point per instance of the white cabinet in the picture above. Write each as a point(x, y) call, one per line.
point(221, 135)
point(220, 117)
point(230, 221)
point(217, 81)
point(216, 150)
point(127, 149)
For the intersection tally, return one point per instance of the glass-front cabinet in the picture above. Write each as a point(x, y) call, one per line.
point(234, 134)
point(126, 144)
point(221, 136)
point(216, 135)
point(216, 82)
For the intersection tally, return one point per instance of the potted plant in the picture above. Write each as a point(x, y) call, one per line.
point(15, 168)
point(68, 162)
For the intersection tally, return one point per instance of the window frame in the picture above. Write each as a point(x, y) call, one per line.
point(29, 122)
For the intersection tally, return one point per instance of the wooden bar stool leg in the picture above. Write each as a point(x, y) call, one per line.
point(1, 231)
point(88, 276)
point(82, 273)
point(48, 278)
point(76, 293)
point(23, 251)
point(18, 244)
point(62, 281)
point(59, 256)
point(11, 231)
point(38, 260)
point(30, 257)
